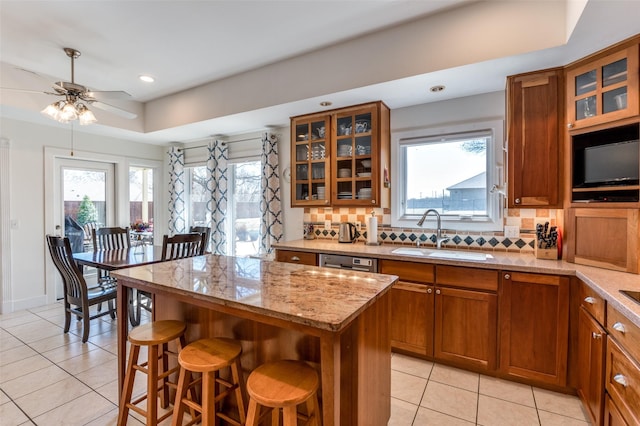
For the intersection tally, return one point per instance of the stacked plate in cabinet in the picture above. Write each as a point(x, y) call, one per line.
point(346, 195)
point(364, 194)
point(321, 193)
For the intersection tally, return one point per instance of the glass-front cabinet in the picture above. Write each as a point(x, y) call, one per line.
point(603, 90)
point(310, 160)
point(341, 157)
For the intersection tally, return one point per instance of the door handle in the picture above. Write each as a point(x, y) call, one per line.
point(619, 327)
point(621, 379)
point(295, 258)
point(590, 300)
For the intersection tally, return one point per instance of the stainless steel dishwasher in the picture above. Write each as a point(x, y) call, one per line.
point(364, 264)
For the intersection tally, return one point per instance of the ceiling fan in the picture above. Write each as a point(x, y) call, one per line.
point(76, 97)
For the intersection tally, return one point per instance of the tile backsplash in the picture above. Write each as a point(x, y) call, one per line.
point(525, 219)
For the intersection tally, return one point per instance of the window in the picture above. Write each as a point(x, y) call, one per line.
point(451, 170)
point(243, 205)
point(141, 203)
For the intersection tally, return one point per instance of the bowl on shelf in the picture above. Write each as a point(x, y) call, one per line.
point(366, 163)
point(364, 174)
point(344, 173)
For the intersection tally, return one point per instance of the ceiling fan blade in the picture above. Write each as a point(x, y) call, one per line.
point(56, 87)
point(113, 109)
point(108, 94)
point(40, 92)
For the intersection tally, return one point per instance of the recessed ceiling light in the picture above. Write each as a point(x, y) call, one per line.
point(436, 89)
point(326, 103)
point(147, 78)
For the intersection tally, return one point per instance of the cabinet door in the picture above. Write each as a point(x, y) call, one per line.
point(612, 416)
point(310, 151)
point(534, 139)
point(412, 317)
point(604, 89)
point(534, 326)
point(465, 327)
point(301, 257)
point(591, 357)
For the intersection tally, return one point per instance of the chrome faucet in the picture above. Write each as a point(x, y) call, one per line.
point(439, 238)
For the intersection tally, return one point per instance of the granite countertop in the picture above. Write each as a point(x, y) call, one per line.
point(606, 283)
point(318, 297)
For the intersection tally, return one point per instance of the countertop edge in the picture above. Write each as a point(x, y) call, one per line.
point(607, 283)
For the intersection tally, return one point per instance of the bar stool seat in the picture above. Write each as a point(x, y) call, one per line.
point(209, 356)
point(156, 336)
point(283, 384)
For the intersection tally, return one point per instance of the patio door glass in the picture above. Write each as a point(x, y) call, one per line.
point(84, 200)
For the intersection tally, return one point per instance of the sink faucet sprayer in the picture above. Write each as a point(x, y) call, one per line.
point(439, 238)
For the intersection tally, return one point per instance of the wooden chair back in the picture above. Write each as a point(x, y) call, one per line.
point(207, 235)
point(75, 287)
point(182, 245)
point(111, 238)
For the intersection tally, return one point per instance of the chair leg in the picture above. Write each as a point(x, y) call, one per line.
point(67, 317)
point(208, 398)
point(253, 414)
point(236, 374)
point(112, 308)
point(132, 310)
point(178, 407)
point(290, 416)
point(85, 324)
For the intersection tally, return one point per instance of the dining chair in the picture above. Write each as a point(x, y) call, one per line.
point(78, 298)
point(110, 238)
point(180, 246)
point(207, 234)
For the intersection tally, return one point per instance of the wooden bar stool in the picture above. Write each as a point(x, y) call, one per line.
point(283, 384)
point(156, 336)
point(209, 356)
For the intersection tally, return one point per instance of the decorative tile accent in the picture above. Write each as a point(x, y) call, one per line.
point(491, 241)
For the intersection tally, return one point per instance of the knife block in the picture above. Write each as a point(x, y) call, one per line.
point(550, 253)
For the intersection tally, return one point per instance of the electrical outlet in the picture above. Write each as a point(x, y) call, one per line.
point(511, 231)
point(327, 225)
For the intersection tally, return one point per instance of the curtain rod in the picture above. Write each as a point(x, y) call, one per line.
point(223, 143)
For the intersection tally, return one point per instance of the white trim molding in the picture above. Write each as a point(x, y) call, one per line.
point(5, 226)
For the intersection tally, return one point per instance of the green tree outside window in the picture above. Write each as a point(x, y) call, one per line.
point(87, 212)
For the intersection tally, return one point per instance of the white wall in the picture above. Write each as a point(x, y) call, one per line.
point(28, 254)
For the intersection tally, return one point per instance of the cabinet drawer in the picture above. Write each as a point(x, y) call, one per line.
point(623, 382)
point(480, 279)
point(624, 331)
point(592, 302)
point(301, 257)
point(408, 271)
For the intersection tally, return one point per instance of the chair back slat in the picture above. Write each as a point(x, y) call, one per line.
point(207, 235)
point(111, 238)
point(75, 286)
point(182, 245)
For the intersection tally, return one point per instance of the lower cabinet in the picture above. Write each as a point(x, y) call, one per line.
point(591, 355)
point(612, 416)
point(301, 257)
point(465, 327)
point(534, 327)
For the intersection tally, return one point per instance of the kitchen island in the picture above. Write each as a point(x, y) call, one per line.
point(336, 320)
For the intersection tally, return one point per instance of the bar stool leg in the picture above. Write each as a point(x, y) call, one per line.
point(253, 415)
point(314, 407)
point(128, 384)
point(240, 391)
point(290, 415)
point(178, 412)
point(164, 397)
point(208, 398)
point(152, 386)
point(275, 416)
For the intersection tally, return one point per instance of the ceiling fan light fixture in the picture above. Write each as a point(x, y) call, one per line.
point(85, 116)
point(52, 111)
point(68, 113)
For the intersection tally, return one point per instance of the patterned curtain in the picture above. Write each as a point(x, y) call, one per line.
point(217, 187)
point(177, 220)
point(271, 224)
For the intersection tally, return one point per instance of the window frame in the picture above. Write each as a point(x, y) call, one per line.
point(493, 221)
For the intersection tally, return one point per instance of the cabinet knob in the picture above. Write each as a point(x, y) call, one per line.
point(295, 258)
point(429, 291)
point(517, 201)
point(596, 335)
point(373, 201)
point(619, 327)
point(569, 125)
point(437, 291)
point(620, 379)
point(507, 276)
point(590, 300)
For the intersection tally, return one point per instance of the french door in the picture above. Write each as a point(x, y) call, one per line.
point(83, 198)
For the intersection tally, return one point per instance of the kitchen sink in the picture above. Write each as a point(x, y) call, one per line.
point(442, 254)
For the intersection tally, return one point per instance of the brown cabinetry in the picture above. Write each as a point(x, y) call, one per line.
point(341, 157)
point(534, 327)
point(301, 257)
point(591, 352)
point(534, 138)
point(603, 88)
point(606, 238)
point(412, 306)
point(612, 416)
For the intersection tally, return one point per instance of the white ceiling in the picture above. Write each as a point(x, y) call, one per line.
point(186, 44)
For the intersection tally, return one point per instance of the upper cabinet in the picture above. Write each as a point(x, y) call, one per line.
point(341, 157)
point(602, 89)
point(534, 138)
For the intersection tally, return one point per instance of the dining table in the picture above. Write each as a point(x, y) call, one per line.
point(115, 259)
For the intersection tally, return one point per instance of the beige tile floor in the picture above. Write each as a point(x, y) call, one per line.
point(50, 378)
